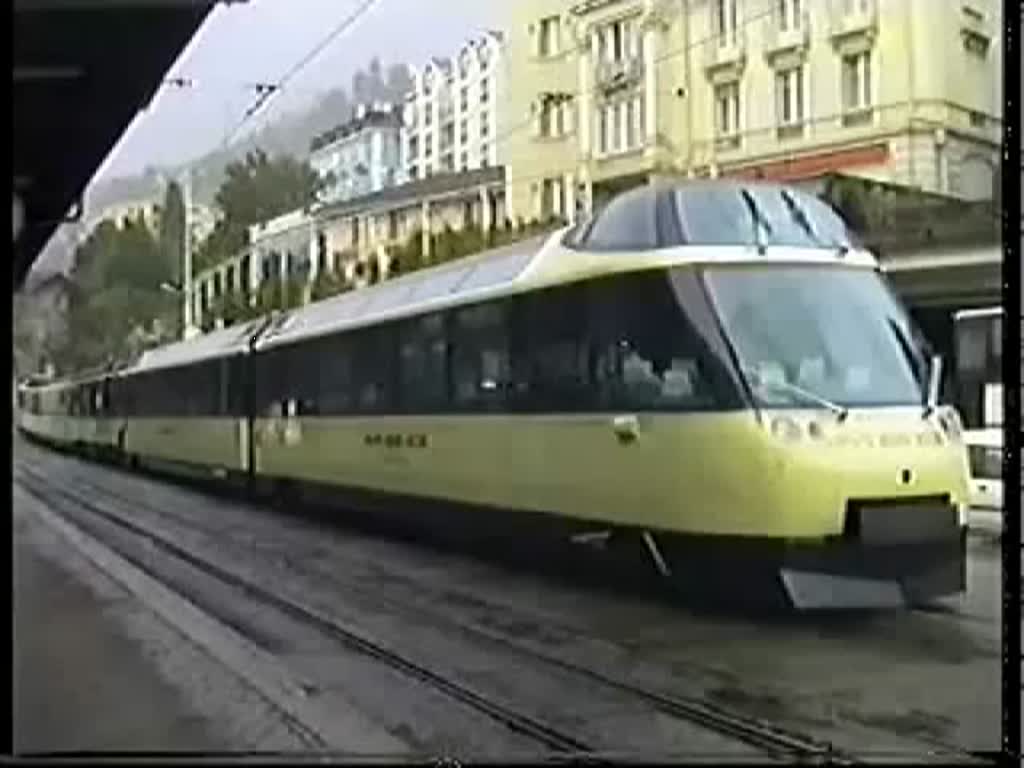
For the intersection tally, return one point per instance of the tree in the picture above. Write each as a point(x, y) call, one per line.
point(172, 231)
point(115, 293)
point(255, 190)
point(328, 284)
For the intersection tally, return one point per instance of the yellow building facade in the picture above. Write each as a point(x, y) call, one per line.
point(900, 91)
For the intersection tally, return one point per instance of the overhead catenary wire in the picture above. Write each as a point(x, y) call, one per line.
point(507, 133)
point(701, 142)
point(276, 87)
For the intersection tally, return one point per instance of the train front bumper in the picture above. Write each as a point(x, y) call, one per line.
point(877, 571)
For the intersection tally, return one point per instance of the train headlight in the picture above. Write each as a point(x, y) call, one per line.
point(786, 428)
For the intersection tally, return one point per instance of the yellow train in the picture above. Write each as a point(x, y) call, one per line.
point(715, 372)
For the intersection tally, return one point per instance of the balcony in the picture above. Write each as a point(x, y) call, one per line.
point(728, 142)
point(616, 75)
point(848, 18)
point(726, 51)
point(783, 35)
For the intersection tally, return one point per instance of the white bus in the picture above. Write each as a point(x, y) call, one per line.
point(979, 374)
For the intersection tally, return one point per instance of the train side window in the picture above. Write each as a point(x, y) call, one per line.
point(269, 381)
point(374, 370)
point(649, 355)
point(480, 363)
point(334, 369)
point(551, 351)
point(423, 364)
point(236, 375)
point(301, 367)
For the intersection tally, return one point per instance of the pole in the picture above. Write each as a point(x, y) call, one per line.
point(186, 194)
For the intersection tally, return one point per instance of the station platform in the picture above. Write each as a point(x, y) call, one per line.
point(81, 683)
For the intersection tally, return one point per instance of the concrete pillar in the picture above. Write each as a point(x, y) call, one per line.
point(314, 253)
point(569, 183)
point(425, 229)
point(585, 64)
point(255, 275)
point(485, 211)
point(650, 105)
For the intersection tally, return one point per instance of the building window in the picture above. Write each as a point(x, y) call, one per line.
point(789, 14)
point(485, 90)
point(725, 21)
point(789, 101)
point(484, 126)
point(464, 132)
point(552, 120)
point(464, 161)
point(549, 36)
point(621, 125)
point(464, 99)
point(727, 112)
point(857, 96)
point(485, 155)
point(618, 41)
point(603, 129)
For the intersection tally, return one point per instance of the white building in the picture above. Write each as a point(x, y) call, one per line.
point(279, 249)
point(127, 212)
point(361, 156)
point(202, 220)
point(451, 115)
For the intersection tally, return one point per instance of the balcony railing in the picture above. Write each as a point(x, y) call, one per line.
point(726, 49)
point(783, 34)
point(619, 74)
point(727, 142)
point(848, 17)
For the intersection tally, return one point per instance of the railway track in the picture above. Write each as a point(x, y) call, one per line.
point(770, 739)
point(519, 723)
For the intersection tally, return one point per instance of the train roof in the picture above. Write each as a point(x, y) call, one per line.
point(528, 265)
point(475, 277)
point(219, 343)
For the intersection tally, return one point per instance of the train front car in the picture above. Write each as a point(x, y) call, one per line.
point(839, 482)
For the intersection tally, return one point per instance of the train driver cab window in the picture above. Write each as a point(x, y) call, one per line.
point(838, 337)
point(627, 223)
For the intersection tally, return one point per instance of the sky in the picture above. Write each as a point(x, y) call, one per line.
point(259, 41)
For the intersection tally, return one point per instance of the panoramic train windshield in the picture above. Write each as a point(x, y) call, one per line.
point(808, 335)
point(759, 215)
